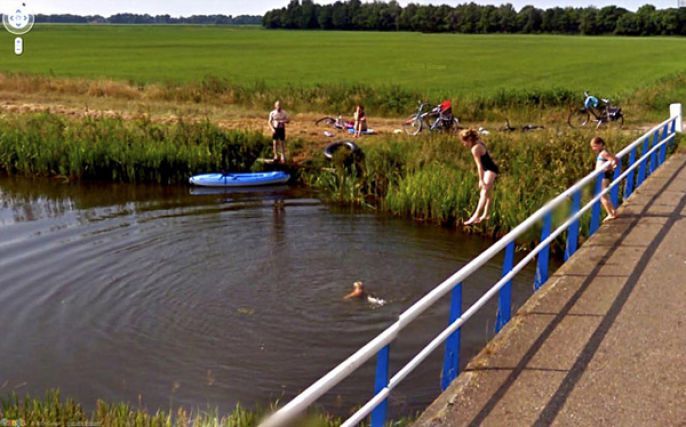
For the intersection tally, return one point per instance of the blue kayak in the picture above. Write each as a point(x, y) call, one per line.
point(240, 179)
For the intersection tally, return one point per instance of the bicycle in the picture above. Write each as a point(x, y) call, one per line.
point(433, 120)
point(593, 111)
point(335, 123)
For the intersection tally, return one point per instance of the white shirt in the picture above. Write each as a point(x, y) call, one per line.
point(278, 119)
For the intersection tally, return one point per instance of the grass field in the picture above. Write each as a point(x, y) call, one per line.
point(431, 64)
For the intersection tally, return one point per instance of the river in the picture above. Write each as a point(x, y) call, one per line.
point(168, 296)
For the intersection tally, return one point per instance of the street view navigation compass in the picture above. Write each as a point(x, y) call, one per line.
point(18, 20)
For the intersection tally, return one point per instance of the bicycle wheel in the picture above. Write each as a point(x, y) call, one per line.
point(456, 127)
point(413, 125)
point(618, 121)
point(326, 121)
point(579, 118)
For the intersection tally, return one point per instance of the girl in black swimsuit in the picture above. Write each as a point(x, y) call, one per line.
point(487, 172)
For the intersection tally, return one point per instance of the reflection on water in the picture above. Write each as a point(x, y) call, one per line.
point(205, 297)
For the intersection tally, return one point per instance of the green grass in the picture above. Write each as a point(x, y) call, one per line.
point(434, 179)
point(430, 178)
point(117, 150)
point(53, 409)
point(431, 64)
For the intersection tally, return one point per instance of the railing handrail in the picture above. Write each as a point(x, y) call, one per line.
point(476, 306)
point(361, 356)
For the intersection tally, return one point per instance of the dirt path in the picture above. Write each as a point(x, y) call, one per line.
point(303, 125)
point(226, 116)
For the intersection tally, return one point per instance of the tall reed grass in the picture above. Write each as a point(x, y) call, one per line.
point(118, 150)
point(434, 179)
point(52, 409)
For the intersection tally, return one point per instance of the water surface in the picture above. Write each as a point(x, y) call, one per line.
point(168, 296)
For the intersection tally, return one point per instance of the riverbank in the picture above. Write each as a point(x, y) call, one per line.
point(434, 179)
point(429, 179)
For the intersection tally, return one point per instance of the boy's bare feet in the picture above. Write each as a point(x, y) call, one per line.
point(610, 218)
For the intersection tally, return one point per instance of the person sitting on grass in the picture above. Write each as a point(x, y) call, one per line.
point(360, 119)
point(487, 172)
point(445, 112)
point(604, 156)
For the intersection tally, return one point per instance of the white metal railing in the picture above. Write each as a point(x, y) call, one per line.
point(652, 156)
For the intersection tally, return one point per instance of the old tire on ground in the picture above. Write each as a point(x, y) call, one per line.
point(331, 149)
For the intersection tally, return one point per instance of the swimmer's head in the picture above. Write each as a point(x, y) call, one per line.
point(358, 286)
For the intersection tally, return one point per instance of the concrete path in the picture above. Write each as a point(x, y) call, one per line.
point(604, 343)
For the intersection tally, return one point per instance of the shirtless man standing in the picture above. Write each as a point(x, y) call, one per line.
point(277, 122)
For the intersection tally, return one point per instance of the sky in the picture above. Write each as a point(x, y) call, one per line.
point(258, 7)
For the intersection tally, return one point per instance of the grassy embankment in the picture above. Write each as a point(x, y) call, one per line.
point(428, 179)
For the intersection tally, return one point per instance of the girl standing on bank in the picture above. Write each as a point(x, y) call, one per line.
point(487, 172)
point(604, 156)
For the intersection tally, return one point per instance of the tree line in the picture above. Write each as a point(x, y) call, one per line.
point(132, 18)
point(473, 18)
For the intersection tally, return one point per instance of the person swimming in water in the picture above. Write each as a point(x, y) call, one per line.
point(360, 293)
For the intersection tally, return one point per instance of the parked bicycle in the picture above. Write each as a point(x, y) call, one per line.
point(335, 123)
point(440, 119)
point(599, 111)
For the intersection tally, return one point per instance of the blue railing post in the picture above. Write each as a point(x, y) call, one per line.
point(542, 263)
point(595, 210)
point(653, 156)
point(381, 382)
point(573, 230)
point(642, 166)
point(629, 184)
point(663, 148)
point(505, 295)
point(451, 359)
point(614, 193)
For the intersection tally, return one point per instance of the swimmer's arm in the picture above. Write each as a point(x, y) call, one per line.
point(270, 120)
point(350, 295)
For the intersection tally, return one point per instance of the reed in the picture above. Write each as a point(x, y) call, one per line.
point(53, 409)
point(127, 151)
point(433, 179)
point(430, 178)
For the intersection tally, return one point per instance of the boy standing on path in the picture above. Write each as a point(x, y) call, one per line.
point(277, 122)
